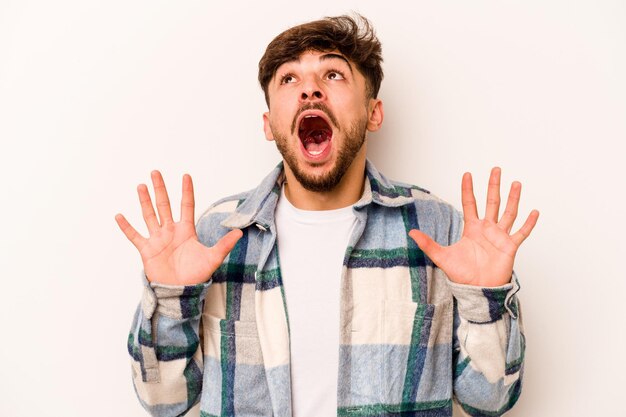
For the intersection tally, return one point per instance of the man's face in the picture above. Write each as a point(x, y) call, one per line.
point(319, 114)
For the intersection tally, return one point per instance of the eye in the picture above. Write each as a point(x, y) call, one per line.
point(335, 75)
point(287, 79)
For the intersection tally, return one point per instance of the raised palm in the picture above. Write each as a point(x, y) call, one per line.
point(485, 253)
point(172, 253)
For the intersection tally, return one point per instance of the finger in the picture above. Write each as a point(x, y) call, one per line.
point(510, 211)
point(525, 230)
point(135, 238)
point(431, 248)
point(493, 196)
point(162, 200)
point(224, 246)
point(467, 198)
point(147, 210)
point(187, 203)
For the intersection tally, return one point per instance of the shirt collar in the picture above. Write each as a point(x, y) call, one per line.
point(259, 205)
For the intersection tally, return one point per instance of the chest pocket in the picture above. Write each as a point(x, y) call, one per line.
point(417, 355)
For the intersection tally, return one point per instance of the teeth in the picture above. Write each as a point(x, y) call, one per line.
point(315, 153)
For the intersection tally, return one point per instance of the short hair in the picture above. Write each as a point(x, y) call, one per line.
point(352, 37)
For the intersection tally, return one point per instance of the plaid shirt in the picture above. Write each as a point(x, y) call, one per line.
point(410, 339)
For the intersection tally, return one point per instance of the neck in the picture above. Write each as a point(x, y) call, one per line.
point(346, 193)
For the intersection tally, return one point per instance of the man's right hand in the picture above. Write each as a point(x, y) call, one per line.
point(172, 254)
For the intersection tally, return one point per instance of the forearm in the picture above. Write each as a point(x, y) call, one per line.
point(165, 348)
point(489, 347)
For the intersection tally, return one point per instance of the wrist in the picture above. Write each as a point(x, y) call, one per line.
point(482, 304)
point(174, 301)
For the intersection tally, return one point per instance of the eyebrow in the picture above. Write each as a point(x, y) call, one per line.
point(325, 57)
point(336, 56)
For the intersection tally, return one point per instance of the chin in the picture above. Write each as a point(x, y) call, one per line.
point(320, 158)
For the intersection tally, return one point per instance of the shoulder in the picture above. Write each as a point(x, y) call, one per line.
point(241, 210)
point(434, 216)
point(209, 227)
point(390, 192)
point(224, 206)
point(424, 199)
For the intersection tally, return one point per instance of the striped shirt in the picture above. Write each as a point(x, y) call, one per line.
point(410, 340)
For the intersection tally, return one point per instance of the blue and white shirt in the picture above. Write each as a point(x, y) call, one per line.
point(410, 339)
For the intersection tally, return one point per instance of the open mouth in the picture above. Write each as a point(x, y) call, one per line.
point(315, 134)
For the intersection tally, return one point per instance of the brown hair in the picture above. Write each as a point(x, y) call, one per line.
point(354, 38)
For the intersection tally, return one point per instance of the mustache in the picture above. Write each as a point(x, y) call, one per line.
point(314, 106)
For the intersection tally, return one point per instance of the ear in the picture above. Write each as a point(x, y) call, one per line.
point(266, 126)
point(376, 114)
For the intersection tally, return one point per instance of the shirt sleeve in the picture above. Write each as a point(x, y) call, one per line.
point(488, 343)
point(164, 344)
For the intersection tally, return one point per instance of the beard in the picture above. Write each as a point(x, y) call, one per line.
point(354, 138)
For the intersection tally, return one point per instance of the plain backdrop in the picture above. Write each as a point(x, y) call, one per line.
point(96, 94)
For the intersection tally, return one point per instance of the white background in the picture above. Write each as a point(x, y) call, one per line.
point(95, 94)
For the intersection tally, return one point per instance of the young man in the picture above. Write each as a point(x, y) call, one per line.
point(328, 289)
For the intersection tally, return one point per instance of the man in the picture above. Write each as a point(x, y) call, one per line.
point(306, 296)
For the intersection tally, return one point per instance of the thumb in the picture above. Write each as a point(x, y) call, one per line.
point(431, 248)
point(226, 244)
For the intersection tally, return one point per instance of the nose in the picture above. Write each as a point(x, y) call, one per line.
point(311, 91)
point(316, 94)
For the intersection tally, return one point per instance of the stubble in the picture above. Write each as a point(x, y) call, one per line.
point(346, 152)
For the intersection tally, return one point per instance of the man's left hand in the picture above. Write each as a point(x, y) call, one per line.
point(485, 253)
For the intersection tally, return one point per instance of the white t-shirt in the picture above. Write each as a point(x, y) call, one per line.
point(311, 248)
